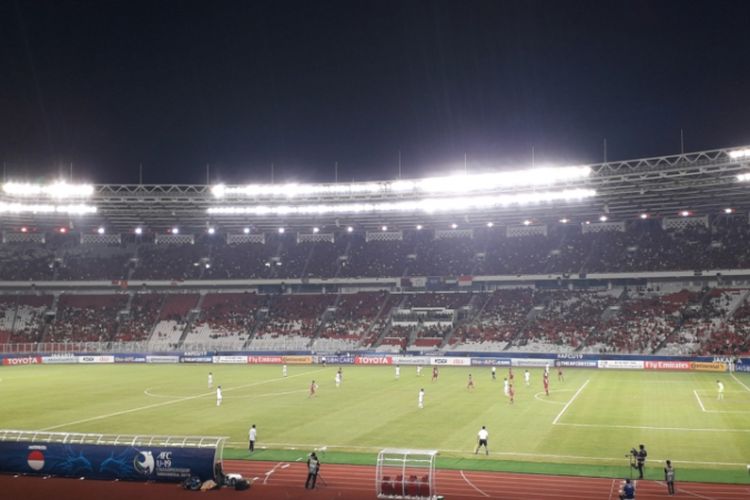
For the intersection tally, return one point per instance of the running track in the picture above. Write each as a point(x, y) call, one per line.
point(286, 480)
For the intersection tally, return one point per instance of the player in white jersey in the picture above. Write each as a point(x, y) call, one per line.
point(506, 386)
point(419, 370)
point(720, 387)
point(338, 379)
point(210, 380)
point(494, 373)
point(283, 371)
point(398, 371)
point(420, 399)
point(482, 436)
point(218, 396)
point(527, 377)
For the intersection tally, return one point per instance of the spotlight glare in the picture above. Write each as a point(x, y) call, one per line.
point(175, 230)
point(281, 230)
point(490, 224)
point(139, 230)
point(100, 230)
point(603, 218)
point(728, 210)
point(63, 230)
point(454, 225)
point(644, 216)
point(685, 213)
point(24, 229)
point(316, 230)
point(384, 228)
point(564, 221)
point(211, 230)
point(349, 229)
point(527, 222)
point(246, 230)
point(419, 227)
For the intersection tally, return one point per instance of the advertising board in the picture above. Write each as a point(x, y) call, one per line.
point(621, 364)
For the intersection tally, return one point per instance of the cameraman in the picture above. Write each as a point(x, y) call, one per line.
point(640, 459)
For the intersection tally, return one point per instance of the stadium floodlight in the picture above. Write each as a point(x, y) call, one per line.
point(211, 230)
point(316, 230)
point(246, 230)
point(175, 230)
point(139, 230)
point(743, 177)
point(739, 153)
point(602, 218)
point(455, 184)
point(55, 190)
point(23, 208)
point(100, 230)
point(426, 205)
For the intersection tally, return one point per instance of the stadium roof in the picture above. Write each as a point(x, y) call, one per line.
point(703, 182)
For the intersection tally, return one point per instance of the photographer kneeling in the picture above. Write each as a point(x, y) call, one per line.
point(627, 491)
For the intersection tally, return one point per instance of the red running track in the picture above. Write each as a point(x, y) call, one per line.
point(287, 479)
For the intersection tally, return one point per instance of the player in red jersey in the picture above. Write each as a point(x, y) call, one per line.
point(434, 373)
point(545, 380)
point(560, 376)
point(511, 393)
point(313, 389)
point(510, 375)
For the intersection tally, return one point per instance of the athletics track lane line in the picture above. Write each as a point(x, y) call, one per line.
point(472, 484)
point(503, 485)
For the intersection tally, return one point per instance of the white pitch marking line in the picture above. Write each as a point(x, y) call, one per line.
point(740, 382)
point(557, 418)
point(699, 401)
point(536, 396)
point(165, 403)
point(649, 428)
point(472, 484)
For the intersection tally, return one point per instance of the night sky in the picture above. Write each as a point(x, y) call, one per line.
point(239, 85)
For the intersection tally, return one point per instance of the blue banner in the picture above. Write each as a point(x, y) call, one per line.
point(143, 463)
point(196, 359)
point(577, 363)
point(338, 360)
point(129, 358)
point(490, 361)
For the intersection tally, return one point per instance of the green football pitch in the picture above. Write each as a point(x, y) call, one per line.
point(586, 425)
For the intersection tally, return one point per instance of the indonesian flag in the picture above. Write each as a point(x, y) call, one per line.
point(465, 280)
point(36, 460)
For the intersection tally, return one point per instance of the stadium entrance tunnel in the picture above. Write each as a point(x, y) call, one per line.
point(111, 456)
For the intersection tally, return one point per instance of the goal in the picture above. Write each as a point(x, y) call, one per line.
point(404, 473)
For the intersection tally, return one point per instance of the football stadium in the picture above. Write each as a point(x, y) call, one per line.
point(424, 249)
point(322, 310)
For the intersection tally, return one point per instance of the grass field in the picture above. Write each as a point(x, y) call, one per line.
point(586, 425)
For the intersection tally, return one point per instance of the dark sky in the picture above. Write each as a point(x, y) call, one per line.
point(174, 85)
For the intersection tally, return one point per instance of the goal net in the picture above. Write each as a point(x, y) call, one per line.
point(403, 473)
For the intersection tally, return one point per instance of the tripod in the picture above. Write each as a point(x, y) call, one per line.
point(631, 464)
point(320, 480)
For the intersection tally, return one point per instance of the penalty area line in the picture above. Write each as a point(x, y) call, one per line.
point(740, 382)
point(699, 401)
point(559, 415)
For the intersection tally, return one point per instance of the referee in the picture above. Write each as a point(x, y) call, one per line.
point(482, 437)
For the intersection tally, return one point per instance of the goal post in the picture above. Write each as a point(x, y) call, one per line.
point(405, 473)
